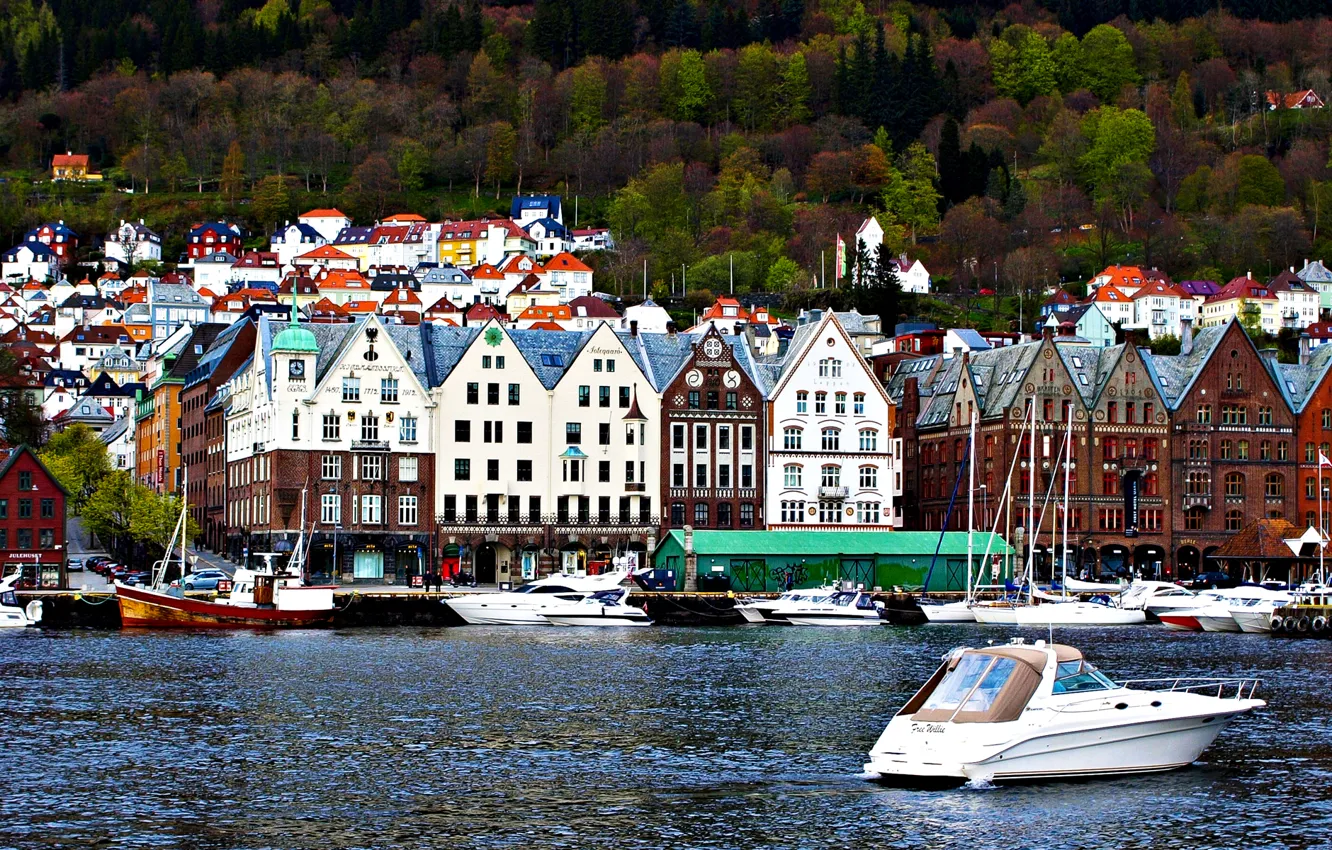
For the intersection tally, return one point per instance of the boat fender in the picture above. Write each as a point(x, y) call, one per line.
point(1319, 624)
point(1303, 625)
point(34, 611)
point(1278, 624)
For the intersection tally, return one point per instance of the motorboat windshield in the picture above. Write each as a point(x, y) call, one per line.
point(984, 686)
point(544, 588)
point(1078, 676)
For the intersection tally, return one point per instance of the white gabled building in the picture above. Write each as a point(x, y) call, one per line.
point(550, 452)
point(132, 243)
point(832, 458)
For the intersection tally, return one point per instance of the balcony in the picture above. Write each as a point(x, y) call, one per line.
point(1197, 500)
point(635, 487)
point(370, 445)
point(834, 492)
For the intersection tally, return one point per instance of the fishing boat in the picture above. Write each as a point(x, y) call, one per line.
point(263, 598)
point(1022, 712)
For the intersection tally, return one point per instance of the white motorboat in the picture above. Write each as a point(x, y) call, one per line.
point(12, 614)
point(603, 608)
point(760, 610)
point(1146, 594)
point(1164, 605)
point(1073, 585)
point(527, 605)
point(843, 608)
point(1253, 611)
point(1040, 711)
point(996, 612)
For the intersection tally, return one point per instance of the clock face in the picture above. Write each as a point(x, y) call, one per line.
point(296, 369)
point(694, 378)
point(712, 348)
point(731, 379)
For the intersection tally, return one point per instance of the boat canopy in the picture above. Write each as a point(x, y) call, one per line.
point(991, 685)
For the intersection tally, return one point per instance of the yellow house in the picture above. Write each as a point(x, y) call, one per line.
point(72, 166)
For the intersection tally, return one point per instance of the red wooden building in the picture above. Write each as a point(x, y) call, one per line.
point(32, 520)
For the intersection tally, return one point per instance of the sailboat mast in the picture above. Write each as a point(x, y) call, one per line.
point(971, 501)
point(1068, 462)
point(1031, 504)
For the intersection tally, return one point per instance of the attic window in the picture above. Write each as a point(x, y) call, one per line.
point(1077, 361)
point(198, 349)
point(552, 360)
point(1082, 379)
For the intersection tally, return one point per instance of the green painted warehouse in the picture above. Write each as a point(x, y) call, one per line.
point(769, 560)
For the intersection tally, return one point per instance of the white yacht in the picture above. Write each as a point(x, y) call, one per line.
point(527, 605)
point(1076, 612)
point(603, 608)
point(1039, 711)
point(12, 614)
point(761, 610)
point(936, 611)
point(1146, 594)
point(843, 608)
point(1254, 615)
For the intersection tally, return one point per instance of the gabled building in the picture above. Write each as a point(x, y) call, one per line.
point(1319, 277)
point(132, 243)
point(1247, 300)
point(211, 271)
point(211, 237)
point(32, 519)
point(291, 240)
point(550, 237)
point(58, 237)
point(171, 305)
point(1231, 444)
point(1297, 301)
point(73, 167)
point(1307, 389)
point(1114, 304)
point(157, 414)
point(832, 457)
point(589, 239)
point(1160, 307)
point(1127, 279)
point(257, 267)
point(328, 223)
point(525, 209)
point(28, 261)
point(713, 460)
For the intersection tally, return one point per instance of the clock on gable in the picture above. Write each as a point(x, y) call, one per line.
point(296, 369)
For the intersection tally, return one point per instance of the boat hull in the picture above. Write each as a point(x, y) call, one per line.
point(1218, 623)
point(1077, 614)
point(995, 615)
point(948, 612)
point(1180, 622)
point(599, 620)
point(1145, 747)
point(752, 613)
point(797, 619)
point(146, 609)
point(1253, 622)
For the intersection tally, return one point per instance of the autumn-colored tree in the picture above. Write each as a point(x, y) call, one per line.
point(272, 201)
point(233, 172)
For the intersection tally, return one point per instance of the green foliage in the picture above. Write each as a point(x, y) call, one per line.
point(272, 201)
point(106, 512)
point(78, 460)
point(1070, 64)
point(1117, 136)
point(793, 91)
point(587, 98)
point(1259, 182)
point(910, 195)
point(1108, 62)
point(1023, 65)
point(685, 90)
point(412, 164)
point(1166, 344)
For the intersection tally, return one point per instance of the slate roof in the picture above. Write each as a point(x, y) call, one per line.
point(1173, 374)
point(1090, 367)
point(194, 349)
point(115, 430)
point(550, 354)
point(921, 368)
point(857, 324)
point(549, 203)
point(1315, 272)
point(1298, 381)
point(221, 344)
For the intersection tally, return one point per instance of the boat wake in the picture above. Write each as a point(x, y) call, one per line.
point(980, 783)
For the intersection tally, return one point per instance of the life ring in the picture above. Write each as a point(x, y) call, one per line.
point(1278, 624)
point(1302, 626)
point(1319, 625)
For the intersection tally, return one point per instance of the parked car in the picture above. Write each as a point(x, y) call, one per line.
point(204, 579)
point(74, 565)
point(137, 577)
point(1208, 581)
point(97, 562)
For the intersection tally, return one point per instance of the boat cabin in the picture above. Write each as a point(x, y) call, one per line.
point(995, 684)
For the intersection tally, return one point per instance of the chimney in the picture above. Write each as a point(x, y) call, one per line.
point(1304, 349)
point(1249, 274)
point(633, 327)
point(1269, 354)
point(670, 328)
point(1048, 329)
point(957, 350)
point(1186, 335)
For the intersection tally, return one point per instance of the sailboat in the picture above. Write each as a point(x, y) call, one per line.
point(260, 598)
point(1058, 610)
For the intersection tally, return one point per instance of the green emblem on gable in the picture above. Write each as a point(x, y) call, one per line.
point(494, 336)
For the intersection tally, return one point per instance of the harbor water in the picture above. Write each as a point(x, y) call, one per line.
point(551, 738)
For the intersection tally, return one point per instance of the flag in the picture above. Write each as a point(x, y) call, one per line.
point(1323, 461)
point(839, 265)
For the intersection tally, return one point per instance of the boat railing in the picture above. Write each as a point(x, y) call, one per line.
point(1221, 688)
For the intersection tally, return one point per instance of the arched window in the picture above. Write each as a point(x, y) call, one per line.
point(792, 438)
point(1234, 520)
point(791, 475)
point(858, 400)
point(802, 401)
point(832, 476)
point(1234, 484)
point(839, 404)
point(1227, 449)
point(1242, 450)
point(869, 440)
point(1274, 485)
point(1265, 450)
point(869, 478)
point(820, 403)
